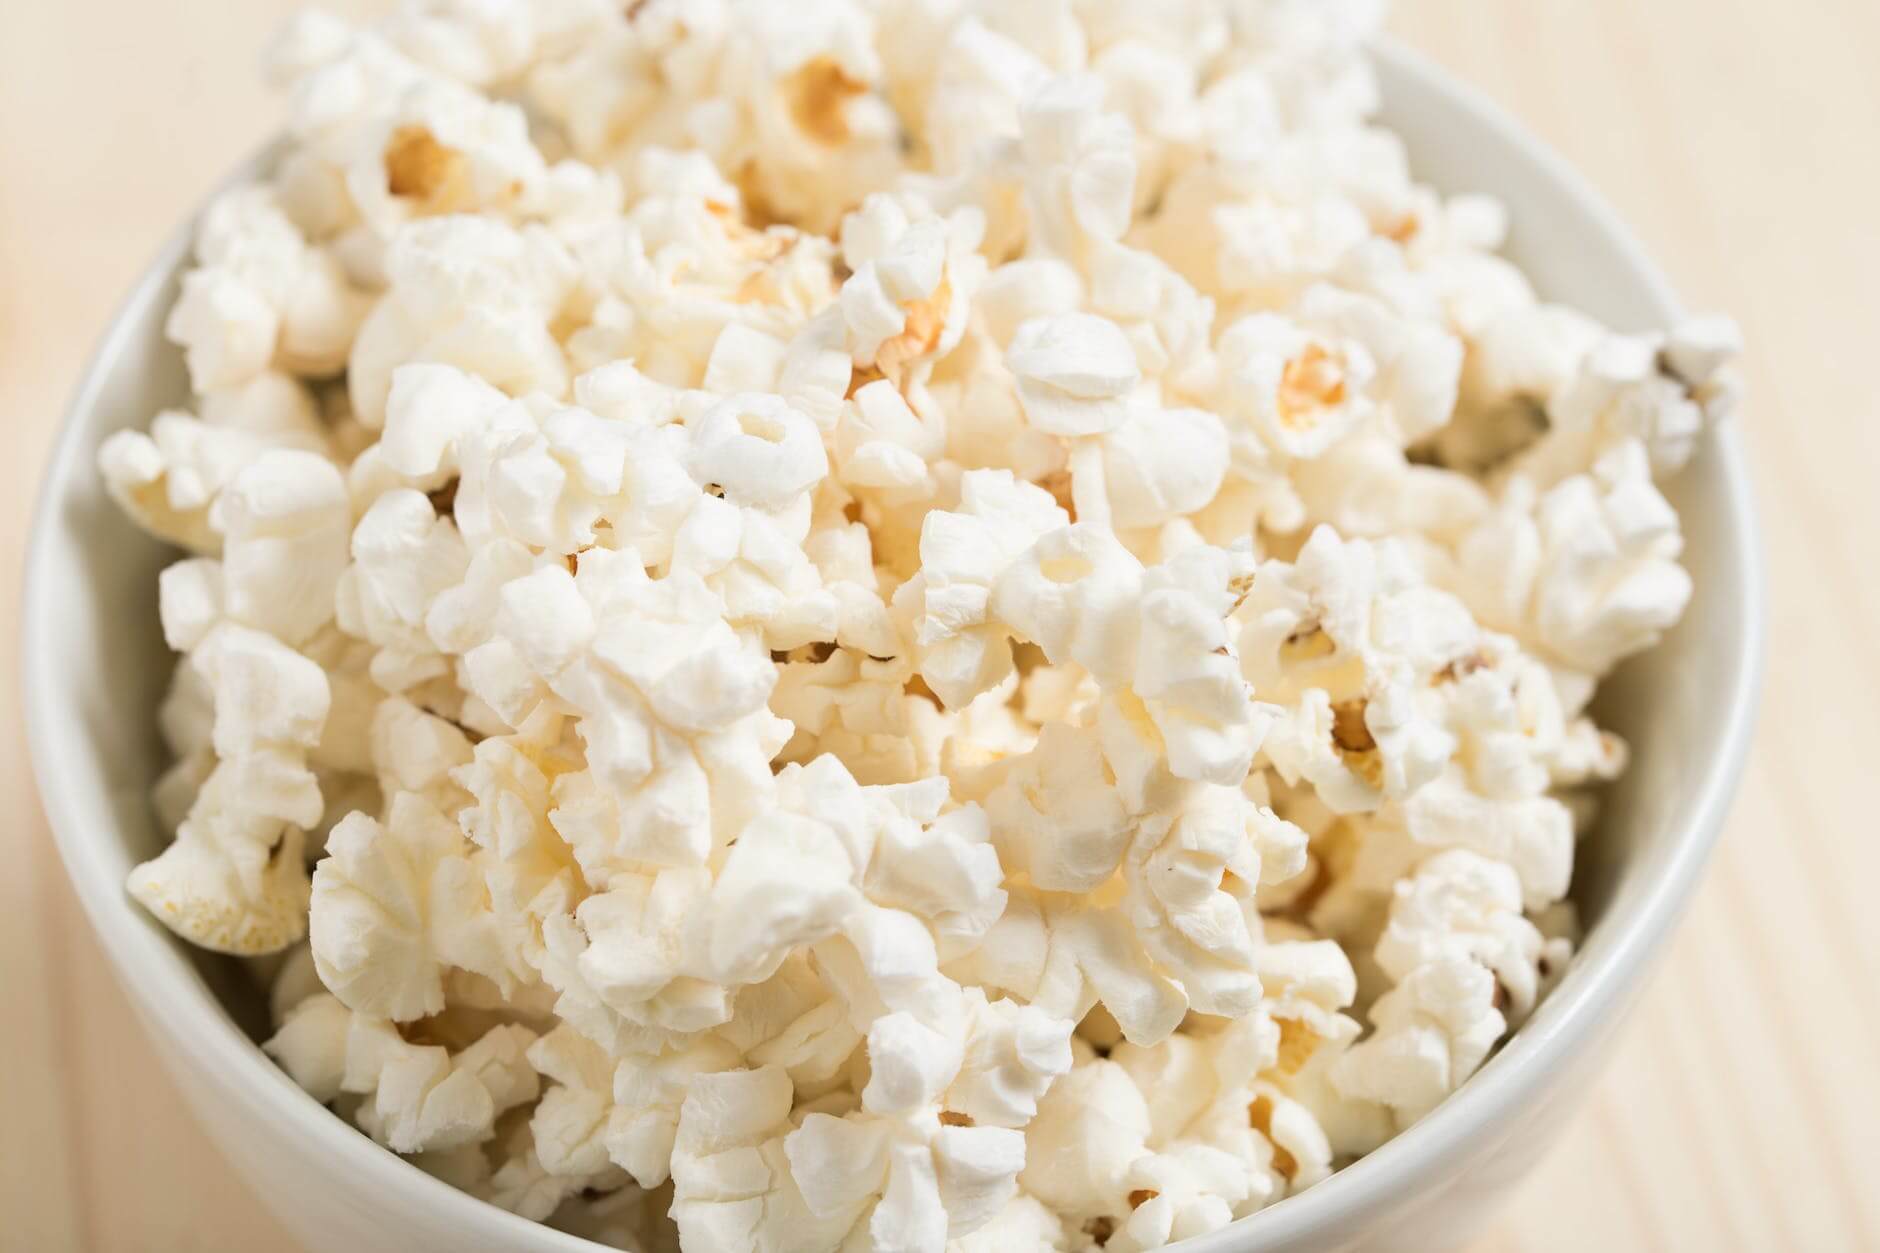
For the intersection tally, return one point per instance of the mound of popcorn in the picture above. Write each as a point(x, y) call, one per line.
point(886, 624)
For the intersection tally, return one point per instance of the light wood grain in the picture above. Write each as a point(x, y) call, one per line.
point(1742, 1108)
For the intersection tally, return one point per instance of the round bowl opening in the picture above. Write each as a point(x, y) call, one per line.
point(95, 667)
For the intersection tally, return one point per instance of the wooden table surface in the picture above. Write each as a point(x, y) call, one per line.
point(1742, 1108)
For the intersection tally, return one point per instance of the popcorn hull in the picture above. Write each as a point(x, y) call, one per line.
point(94, 670)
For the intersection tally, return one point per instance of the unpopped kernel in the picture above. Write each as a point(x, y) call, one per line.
point(912, 624)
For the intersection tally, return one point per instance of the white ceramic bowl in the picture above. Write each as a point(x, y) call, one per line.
point(95, 667)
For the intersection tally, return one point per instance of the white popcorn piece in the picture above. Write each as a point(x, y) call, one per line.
point(404, 557)
point(733, 1184)
point(1160, 465)
point(440, 150)
point(397, 904)
point(1586, 573)
point(938, 1171)
point(1517, 363)
point(261, 297)
point(1418, 362)
point(476, 43)
point(1013, 1054)
point(1057, 818)
point(523, 1186)
point(1533, 836)
point(1189, 898)
point(264, 693)
point(1366, 487)
point(1024, 1223)
point(757, 451)
point(1080, 169)
point(531, 875)
point(285, 522)
point(858, 710)
point(420, 1098)
point(913, 278)
point(424, 1101)
point(1187, 1191)
point(1290, 389)
point(1026, 290)
point(671, 701)
point(1186, 670)
point(1089, 1131)
point(966, 81)
point(1179, 934)
point(1658, 390)
point(1460, 906)
point(964, 649)
point(1076, 593)
point(1075, 372)
point(647, 1099)
point(204, 894)
point(169, 478)
point(1461, 953)
point(470, 292)
point(884, 445)
point(1376, 737)
point(234, 878)
point(926, 1194)
point(1430, 1033)
point(416, 752)
point(617, 963)
point(430, 410)
point(581, 1130)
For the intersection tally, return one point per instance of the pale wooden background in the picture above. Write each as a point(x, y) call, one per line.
point(1743, 1107)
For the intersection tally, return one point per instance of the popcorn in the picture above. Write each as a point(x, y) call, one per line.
point(1586, 573)
point(1090, 1129)
point(261, 297)
point(1460, 953)
point(467, 291)
point(404, 558)
point(1024, 1223)
point(1372, 736)
point(1073, 372)
point(395, 905)
point(1459, 904)
point(1658, 390)
point(1162, 465)
point(903, 624)
point(284, 522)
point(963, 553)
point(421, 1098)
point(524, 1187)
point(1184, 1193)
point(1295, 392)
point(578, 1122)
point(169, 478)
point(757, 451)
point(913, 280)
point(1430, 1033)
point(935, 1139)
point(206, 886)
point(1074, 840)
point(733, 1184)
point(531, 875)
point(1080, 169)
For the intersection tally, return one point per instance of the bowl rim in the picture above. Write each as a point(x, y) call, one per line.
point(166, 989)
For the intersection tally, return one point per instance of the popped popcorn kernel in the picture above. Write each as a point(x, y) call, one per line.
point(887, 623)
